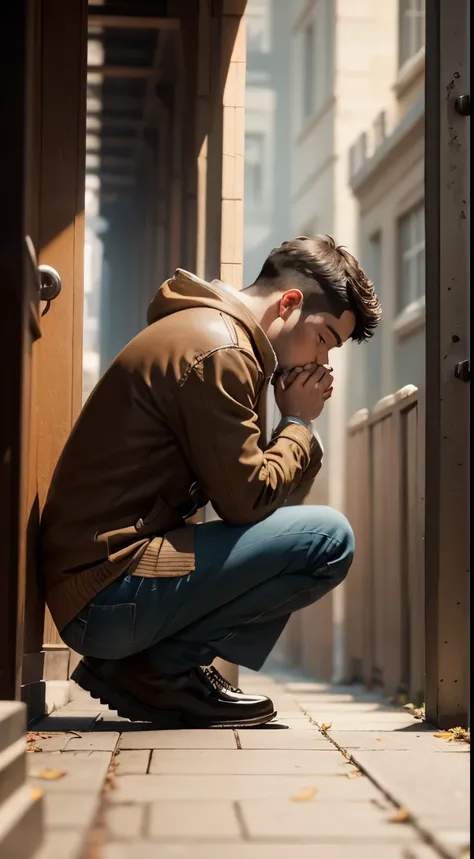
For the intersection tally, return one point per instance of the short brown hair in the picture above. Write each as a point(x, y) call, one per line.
point(341, 284)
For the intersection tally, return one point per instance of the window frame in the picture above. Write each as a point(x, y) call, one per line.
point(409, 42)
point(416, 251)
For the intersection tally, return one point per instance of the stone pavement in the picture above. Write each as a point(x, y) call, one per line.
point(340, 774)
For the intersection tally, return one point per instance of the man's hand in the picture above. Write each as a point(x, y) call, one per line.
point(303, 391)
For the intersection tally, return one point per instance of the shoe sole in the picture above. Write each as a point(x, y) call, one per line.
point(129, 708)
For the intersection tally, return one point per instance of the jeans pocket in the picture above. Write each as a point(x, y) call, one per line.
point(109, 631)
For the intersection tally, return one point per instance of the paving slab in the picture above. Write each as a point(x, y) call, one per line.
point(301, 724)
point(323, 822)
point(81, 773)
point(420, 851)
point(290, 739)
point(132, 761)
point(126, 822)
point(194, 819)
point(403, 740)
point(454, 840)
point(425, 783)
point(247, 762)
point(198, 739)
point(352, 708)
point(293, 715)
point(142, 788)
point(224, 850)
point(68, 844)
point(360, 716)
point(373, 722)
point(43, 741)
point(97, 742)
point(71, 811)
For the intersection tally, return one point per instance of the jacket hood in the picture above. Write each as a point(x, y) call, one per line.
point(184, 291)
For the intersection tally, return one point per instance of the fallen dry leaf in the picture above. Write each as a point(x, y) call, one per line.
point(400, 816)
point(49, 775)
point(36, 794)
point(304, 795)
point(458, 734)
point(325, 726)
point(378, 739)
point(34, 748)
point(33, 736)
point(354, 774)
point(461, 735)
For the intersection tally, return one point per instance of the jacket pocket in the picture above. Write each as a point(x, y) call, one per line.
point(109, 631)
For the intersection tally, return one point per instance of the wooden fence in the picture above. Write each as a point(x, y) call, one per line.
point(384, 592)
point(383, 613)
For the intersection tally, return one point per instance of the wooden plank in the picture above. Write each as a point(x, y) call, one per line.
point(122, 72)
point(18, 328)
point(378, 525)
point(396, 590)
point(447, 199)
point(117, 181)
point(62, 231)
point(121, 122)
point(117, 161)
point(130, 22)
point(358, 582)
point(415, 572)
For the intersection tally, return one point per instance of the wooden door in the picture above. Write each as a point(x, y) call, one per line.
point(43, 65)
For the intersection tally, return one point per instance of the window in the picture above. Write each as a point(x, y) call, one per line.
point(308, 71)
point(254, 165)
point(412, 257)
point(374, 261)
point(257, 18)
point(411, 17)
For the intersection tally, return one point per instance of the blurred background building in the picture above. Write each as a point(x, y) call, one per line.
point(335, 144)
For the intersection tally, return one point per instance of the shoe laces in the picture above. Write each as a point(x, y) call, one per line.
point(218, 681)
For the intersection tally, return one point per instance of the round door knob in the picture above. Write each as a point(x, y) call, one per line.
point(50, 283)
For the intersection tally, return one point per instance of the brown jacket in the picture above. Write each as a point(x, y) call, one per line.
point(177, 420)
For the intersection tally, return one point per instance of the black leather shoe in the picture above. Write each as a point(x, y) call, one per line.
point(202, 698)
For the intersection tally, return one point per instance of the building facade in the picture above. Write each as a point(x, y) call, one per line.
point(386, 175)
point(347, 159)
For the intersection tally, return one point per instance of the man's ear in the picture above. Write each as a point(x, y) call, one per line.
point(290, 301)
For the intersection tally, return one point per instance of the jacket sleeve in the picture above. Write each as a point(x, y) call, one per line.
point(219, 427)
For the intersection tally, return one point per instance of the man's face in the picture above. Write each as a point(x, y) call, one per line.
point(300, 339)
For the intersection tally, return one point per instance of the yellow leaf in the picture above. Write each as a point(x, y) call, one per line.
point(33, 748)
point(401, 816)
point(49, 775)
point(378, 739)
point(325, 726)
point(36, 794)
point(305, 795)
point(444, 735)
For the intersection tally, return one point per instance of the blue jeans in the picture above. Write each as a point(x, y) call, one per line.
point(235, 604)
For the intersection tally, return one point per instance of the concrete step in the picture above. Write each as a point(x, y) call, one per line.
point(12, 769)
point(21, 824)
point(12, 723)
point(21, 808)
